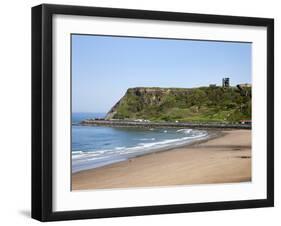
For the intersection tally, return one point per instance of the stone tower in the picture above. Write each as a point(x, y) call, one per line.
point(225, 82)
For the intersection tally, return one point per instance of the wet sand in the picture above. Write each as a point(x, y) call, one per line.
point(225, 159)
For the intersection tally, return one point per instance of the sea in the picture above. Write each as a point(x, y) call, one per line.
point(97, 146)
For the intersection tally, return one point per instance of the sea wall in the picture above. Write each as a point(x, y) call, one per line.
point(124, 123)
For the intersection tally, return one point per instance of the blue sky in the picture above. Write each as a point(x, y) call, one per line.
point(104, 67)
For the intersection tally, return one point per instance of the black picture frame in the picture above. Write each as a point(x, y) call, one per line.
point(42, 111)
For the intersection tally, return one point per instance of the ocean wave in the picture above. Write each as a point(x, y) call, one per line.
point(172, 141)
point(119, 148)
point(186, 131)
point(77, 152)
point(145, 139)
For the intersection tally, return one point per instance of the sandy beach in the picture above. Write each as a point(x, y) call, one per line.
point(225, 159)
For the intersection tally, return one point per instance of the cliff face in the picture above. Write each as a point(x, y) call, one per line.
point(204, 104)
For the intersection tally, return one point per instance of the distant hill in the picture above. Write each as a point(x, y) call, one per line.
point(203, 104)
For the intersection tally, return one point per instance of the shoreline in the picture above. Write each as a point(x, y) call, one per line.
point(223, 158)
point(212, 134)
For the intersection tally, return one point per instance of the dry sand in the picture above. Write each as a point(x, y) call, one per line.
point(223, 159)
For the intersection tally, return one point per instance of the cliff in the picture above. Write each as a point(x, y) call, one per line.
point(203, 104)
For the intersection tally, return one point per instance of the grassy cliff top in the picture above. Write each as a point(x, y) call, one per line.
point(202, 104)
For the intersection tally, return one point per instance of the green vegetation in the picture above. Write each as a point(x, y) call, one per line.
point(203, 104)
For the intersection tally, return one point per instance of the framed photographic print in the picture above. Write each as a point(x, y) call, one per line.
point(145, 112)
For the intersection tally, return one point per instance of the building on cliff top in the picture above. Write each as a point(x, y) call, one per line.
point(225, 82)
point(244, 85)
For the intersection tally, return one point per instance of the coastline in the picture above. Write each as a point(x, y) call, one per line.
point(223, 158)
point(211, 134)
